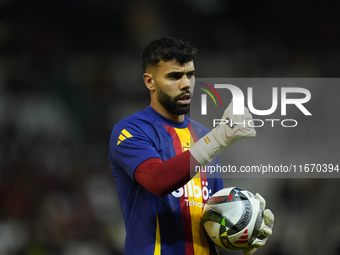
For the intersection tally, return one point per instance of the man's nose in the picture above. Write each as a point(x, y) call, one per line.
point(185, 83)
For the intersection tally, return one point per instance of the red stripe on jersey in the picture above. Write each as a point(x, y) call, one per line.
point(203, 176)
point(175, 139)
point(195, 139)
point(185, 210)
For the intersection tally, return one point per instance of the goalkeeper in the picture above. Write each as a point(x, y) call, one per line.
point(152, 165)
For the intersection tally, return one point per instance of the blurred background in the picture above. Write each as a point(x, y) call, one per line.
point(70, 70)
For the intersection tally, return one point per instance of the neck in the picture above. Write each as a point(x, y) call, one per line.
point(158, 107)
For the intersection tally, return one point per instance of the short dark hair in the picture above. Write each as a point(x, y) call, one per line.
point(167, 49)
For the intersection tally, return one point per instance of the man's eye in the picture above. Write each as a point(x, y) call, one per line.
point(189, 75)
point(176, 76)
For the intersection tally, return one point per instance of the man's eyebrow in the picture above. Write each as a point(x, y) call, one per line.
point(174, 73)
point(179, 73)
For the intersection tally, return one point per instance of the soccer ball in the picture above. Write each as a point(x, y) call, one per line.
point(232, 218)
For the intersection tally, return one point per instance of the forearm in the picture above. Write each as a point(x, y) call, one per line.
point(161, 178)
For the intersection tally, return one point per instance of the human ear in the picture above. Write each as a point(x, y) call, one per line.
point(149, 81)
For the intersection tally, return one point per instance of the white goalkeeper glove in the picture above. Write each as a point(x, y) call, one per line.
point(223, 136)
point(265, 231)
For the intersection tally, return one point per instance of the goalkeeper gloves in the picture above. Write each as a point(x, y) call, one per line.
point(223, 136)
point(265, 230)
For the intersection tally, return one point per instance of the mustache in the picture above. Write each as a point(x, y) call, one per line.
point(176, 98)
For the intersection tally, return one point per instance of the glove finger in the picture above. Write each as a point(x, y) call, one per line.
point(259, 242)
point(228, 111)
point(268, 218)
point(247, 115)
point(252, 133)
point(249, 251)
point(249, 123)
point(246, 110)
point(262, 201)
point(266, 231)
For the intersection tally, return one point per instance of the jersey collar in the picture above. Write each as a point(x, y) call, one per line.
point(169, 122)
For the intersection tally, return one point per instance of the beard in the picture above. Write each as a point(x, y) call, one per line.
point(171, 104)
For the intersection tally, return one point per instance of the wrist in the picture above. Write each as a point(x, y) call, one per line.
point(205, 149)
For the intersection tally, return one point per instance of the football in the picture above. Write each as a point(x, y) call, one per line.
point(232, 218)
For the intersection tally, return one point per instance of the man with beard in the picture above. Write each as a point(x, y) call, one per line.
point(153, 167)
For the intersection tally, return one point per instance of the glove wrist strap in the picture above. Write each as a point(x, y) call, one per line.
point(205, 149)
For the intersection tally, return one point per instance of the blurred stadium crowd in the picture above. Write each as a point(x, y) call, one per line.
point(70, 70)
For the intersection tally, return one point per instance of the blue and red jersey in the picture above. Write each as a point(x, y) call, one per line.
point(160, 225)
